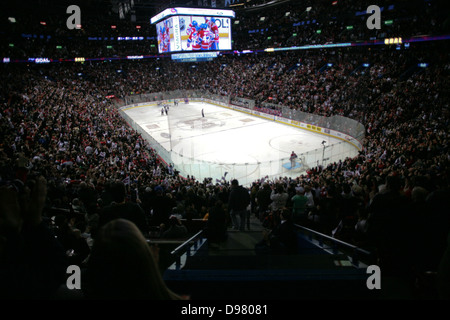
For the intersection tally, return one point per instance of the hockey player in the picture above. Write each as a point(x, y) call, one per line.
point(192, 27)
point(206, 37)
point(164, 40)
point(292, 158)
point(215, 32)
point(194, 40)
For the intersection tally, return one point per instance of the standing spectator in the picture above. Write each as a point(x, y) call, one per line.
point(299, 202)
point(253, 193)
point(238, 201)
point(388, 229)
point(308, 194)
point(216, 227)
point(32, 262)
point(162, 207)
point(279, 197)
point(348, 217)
point(119, 208)
point(263, 200)
point(328, 210)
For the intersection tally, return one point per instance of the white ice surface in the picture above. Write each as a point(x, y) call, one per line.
point(245, 146)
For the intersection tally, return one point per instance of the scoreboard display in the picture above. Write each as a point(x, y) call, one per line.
point(193, 29)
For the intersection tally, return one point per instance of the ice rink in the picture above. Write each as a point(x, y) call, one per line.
point(243, 146)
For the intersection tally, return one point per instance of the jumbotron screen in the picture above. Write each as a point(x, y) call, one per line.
point(192, 29)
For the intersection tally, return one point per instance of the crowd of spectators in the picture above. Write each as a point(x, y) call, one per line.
point(318, 22)
point(283, 25)
point(56, 121)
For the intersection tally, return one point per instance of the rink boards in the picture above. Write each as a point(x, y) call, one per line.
point(243, 143)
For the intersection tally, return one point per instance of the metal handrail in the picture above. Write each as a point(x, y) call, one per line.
point(355, 250)
point(179, 251)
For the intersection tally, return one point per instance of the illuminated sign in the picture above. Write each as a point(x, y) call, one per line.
point(41, 60)
point(192, 12)
point(388, 41)
point(314, 46)
point(130, 38)
point(176, 33)
point(193, 33)
point(244, 51)
point(206, 54)
point(80, 59)
point(194, 56)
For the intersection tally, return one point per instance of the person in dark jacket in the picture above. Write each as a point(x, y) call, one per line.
point(33, 263)
point(119, 208)
point(263, 200)
point(282, 239)
point(238, 201)
point(175, 229)
point(216, 227)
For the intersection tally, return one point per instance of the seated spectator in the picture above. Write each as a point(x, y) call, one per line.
point(282, 239)
point(75, 246)
point(175, 229)
point(123, 266)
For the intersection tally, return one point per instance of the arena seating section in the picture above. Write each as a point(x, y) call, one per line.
point(56, 119)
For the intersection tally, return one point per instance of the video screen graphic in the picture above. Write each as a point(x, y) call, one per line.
point(188, 29)
point(205, 33)
point(164, 32)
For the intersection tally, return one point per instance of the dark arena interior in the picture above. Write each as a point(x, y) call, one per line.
point(83, 188)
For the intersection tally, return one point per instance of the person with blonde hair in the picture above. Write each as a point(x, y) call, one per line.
point(122, 265)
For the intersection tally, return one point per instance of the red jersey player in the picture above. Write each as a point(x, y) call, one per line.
point(205, 36)
point(195, 40)
point(192, 27)
point(292, 158)
point(164, 39)
point(215, 31)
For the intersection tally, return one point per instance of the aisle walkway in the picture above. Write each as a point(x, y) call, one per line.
point(240, 242)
